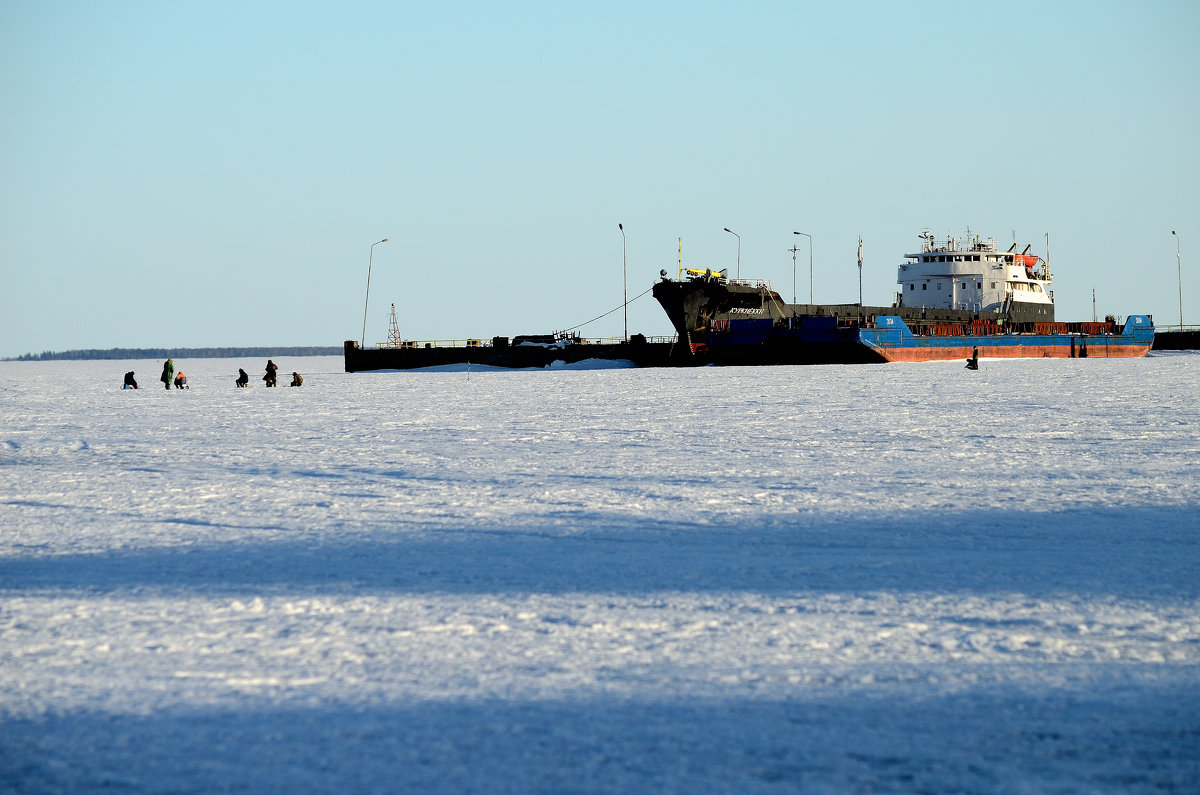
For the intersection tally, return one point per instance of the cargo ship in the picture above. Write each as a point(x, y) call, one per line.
point(957, 298)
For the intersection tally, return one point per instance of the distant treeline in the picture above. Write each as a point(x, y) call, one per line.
point(178, 353)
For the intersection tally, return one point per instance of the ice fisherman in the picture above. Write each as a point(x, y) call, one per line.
point(296, 379)
point(973, 362)
point(270, 376)
point(168, 374)
point(130, 383)
point(181, 381)
point(242, 378)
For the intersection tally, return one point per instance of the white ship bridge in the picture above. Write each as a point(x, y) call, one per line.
point(973, 273)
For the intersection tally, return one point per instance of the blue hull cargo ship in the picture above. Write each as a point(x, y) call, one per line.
point(958, 298)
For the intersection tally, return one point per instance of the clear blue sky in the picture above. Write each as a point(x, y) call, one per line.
point(196, 174)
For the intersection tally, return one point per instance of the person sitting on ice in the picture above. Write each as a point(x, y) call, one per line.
point(130, 383)
point(242, 378)
point(181, 381)
point(296, 379)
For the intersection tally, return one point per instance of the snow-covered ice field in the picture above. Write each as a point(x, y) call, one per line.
point(830, 579)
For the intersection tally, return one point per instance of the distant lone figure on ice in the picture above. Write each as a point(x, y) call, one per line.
point(181, 381)
point(973, 362)
point(296, 379)
point(242, 378)
point(270, 376)
point(129, 382)
point(168, 373)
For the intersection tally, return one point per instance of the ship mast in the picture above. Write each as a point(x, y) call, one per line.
point(860, 253)
point(393, 331)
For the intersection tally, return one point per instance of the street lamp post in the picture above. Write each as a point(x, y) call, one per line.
point(810, 290)
point(794, 249)
point(1179, 276)
point(370, 257)
point(624, 280)
point(739, 258)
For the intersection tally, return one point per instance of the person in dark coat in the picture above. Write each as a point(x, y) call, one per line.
point(973, 362)
point(296, 379)
point(242, 378)
point(130, 383)
point(168, 374)
point(270, 376)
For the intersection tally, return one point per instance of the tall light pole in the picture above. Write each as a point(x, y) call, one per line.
point(624, 280)
point(810, 293)
point(739, 259)
point(794, 249)
point(370, 256)
point(1179, 276)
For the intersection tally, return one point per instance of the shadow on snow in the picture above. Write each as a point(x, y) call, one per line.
point(1053, 741)
point(1140, 553)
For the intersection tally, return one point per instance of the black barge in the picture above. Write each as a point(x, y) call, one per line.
point(522, 352)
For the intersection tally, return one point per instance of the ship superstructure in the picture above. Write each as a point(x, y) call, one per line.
point(974, 274)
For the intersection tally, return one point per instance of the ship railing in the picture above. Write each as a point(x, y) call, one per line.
point(488, 343)
point(985, 327)
point(468, 343)
point(1176, 327)
point(764, 284)
point(617, 340)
